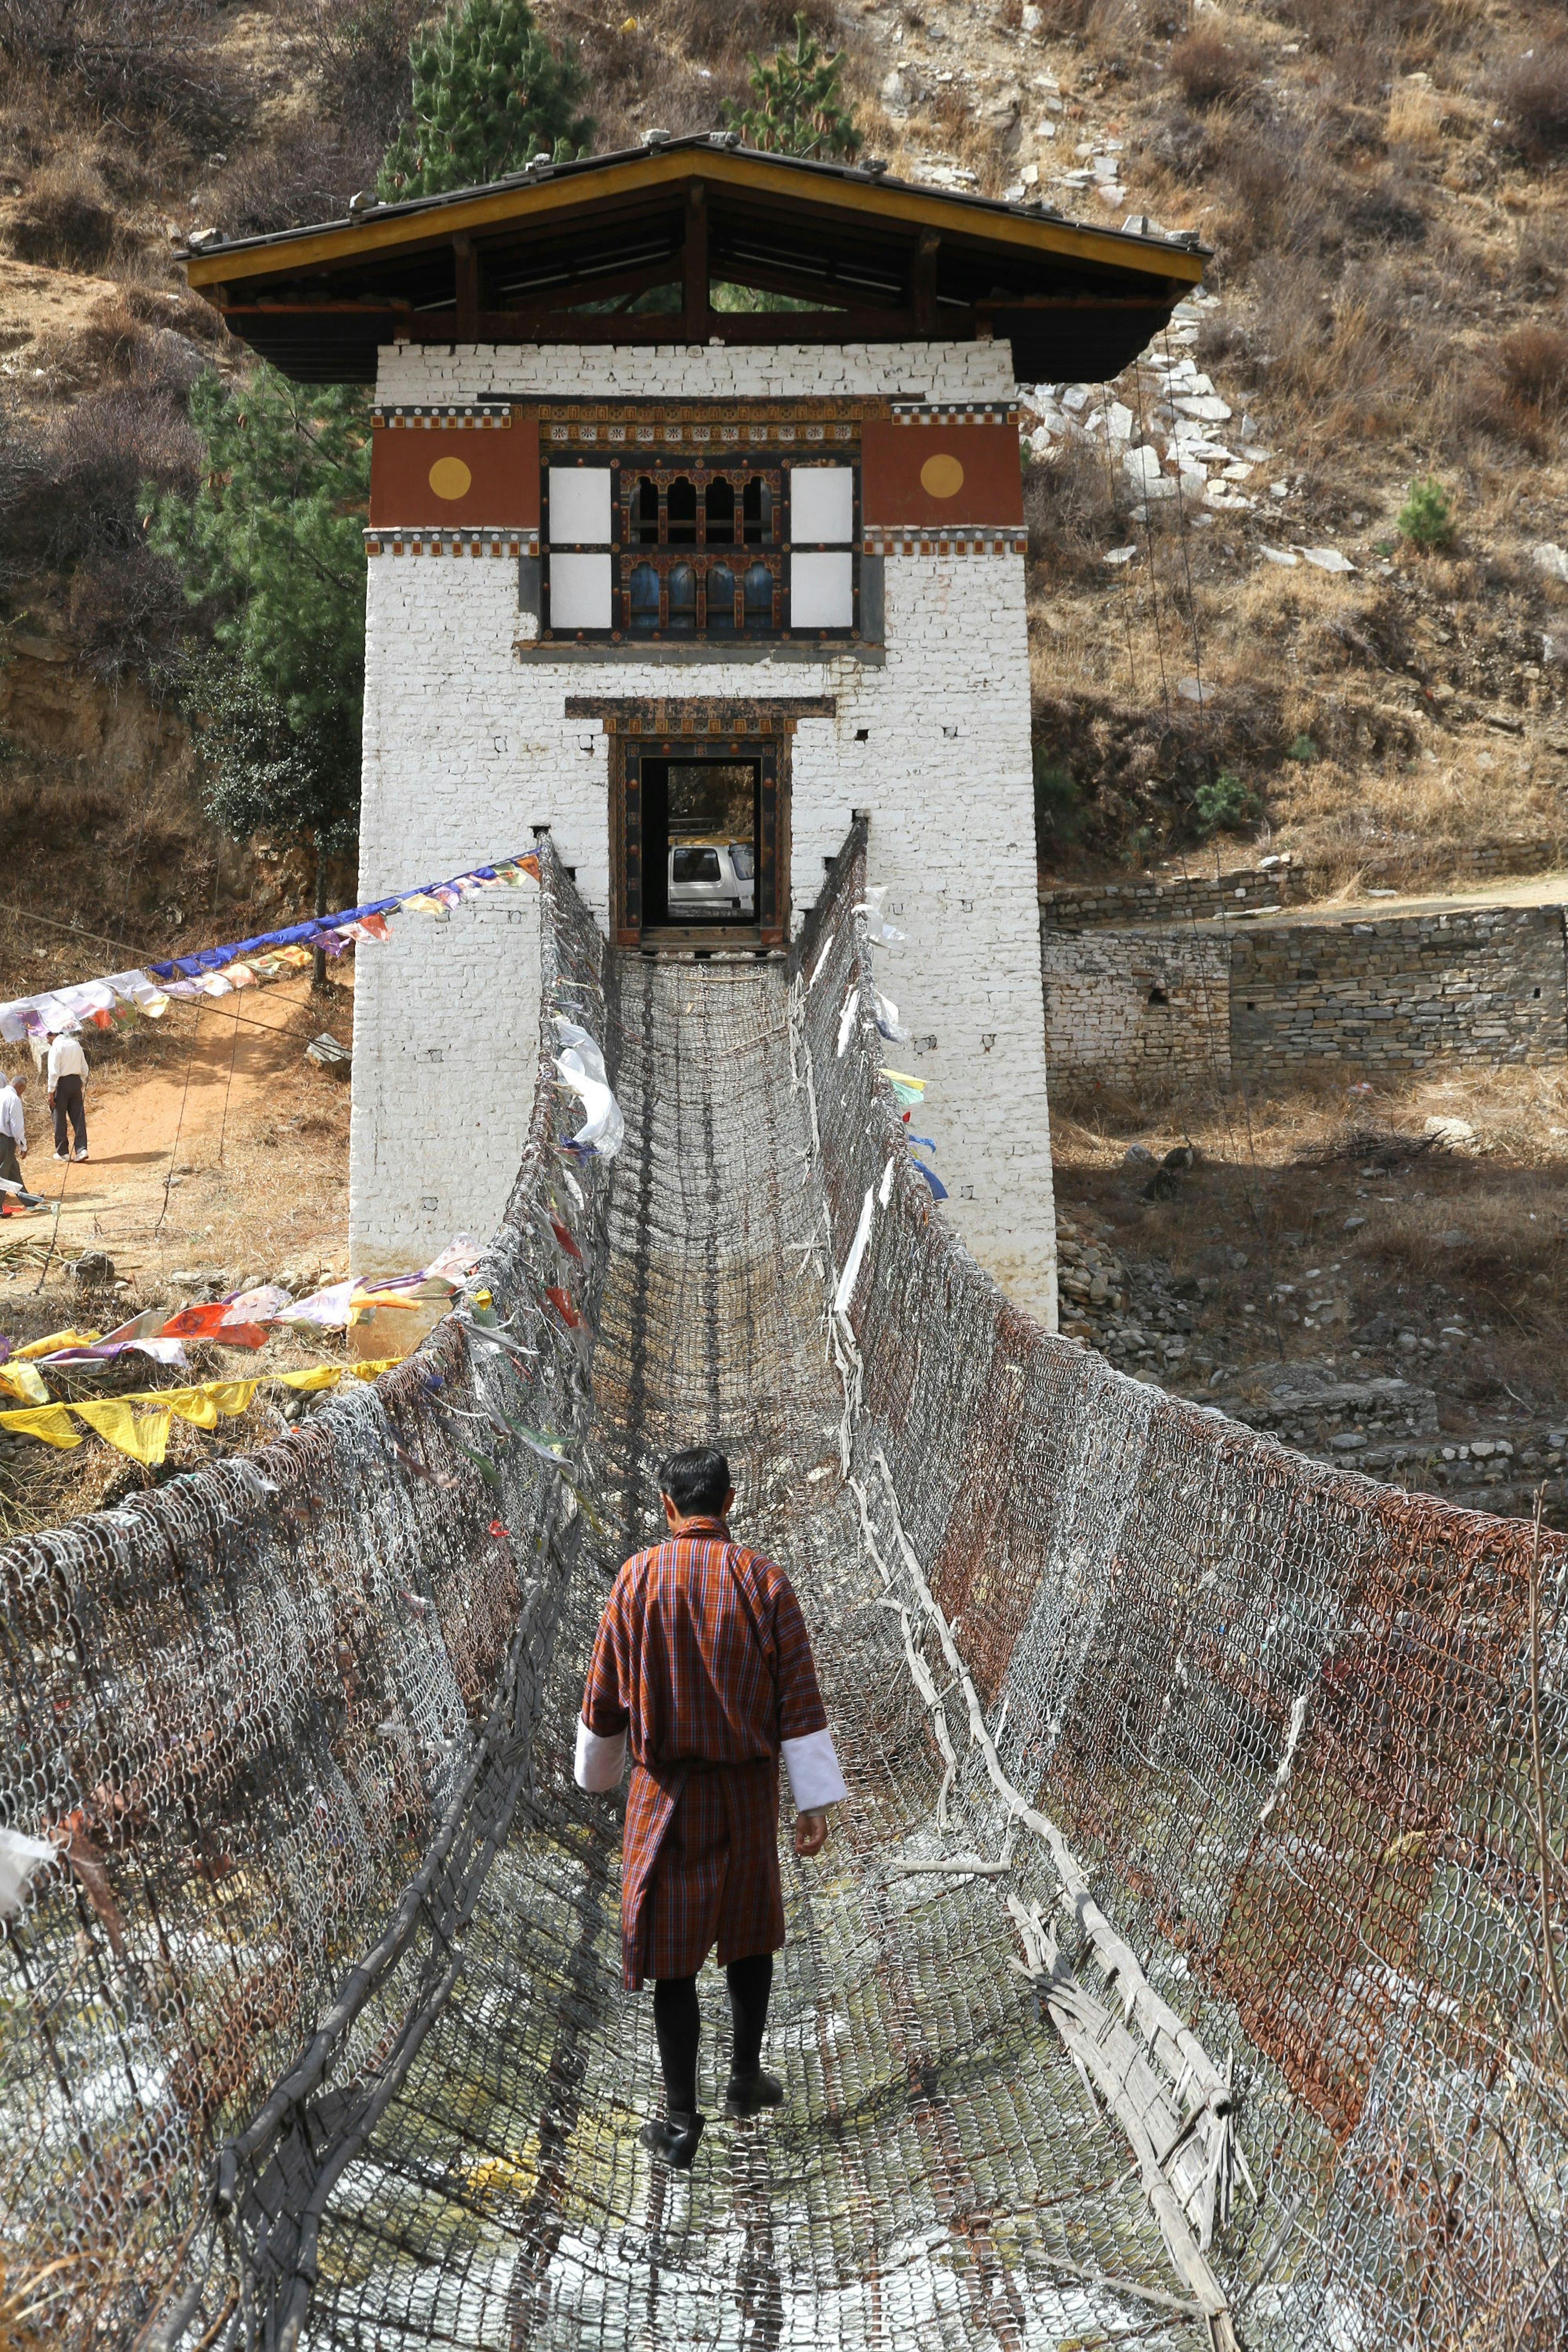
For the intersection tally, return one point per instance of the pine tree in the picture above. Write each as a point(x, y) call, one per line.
point(272, 547)
point(798, 109)
point(489, 94)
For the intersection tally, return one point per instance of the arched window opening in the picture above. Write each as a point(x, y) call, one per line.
point(757, 512)
point(759, 596)
point(682, 511)
point(722, 622)
point(645, 512)
point(718, 503)
point(644, 599)
point(682, 600)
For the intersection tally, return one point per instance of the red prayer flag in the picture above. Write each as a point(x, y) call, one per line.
point(565, 1240)
point(207, 1323)
point(569, 1314)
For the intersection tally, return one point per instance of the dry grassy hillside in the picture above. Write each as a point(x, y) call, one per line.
point(1382, 182)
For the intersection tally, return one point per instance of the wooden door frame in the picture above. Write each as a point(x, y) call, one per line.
point(761, 730)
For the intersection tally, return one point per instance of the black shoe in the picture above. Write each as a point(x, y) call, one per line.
point(748, 2093)
point(672, 2139)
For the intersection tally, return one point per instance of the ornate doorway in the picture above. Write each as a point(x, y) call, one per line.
point(700, 819)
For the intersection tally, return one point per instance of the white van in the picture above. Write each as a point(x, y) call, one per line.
point(713, 878)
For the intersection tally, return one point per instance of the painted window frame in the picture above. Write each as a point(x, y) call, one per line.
point(774, 467)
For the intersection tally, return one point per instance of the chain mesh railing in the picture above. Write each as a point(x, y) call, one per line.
point(274, 1717)
point(1174, 1970)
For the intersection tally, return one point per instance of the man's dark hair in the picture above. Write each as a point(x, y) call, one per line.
point(696, 1481)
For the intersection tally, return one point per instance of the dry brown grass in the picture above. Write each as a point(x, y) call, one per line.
point(1534, 94)
point(66, 218)
point(1414, 117)
point(1211, 65)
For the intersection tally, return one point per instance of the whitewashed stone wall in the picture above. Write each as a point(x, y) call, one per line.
point(468, 749)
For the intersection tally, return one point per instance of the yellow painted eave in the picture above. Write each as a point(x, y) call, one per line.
point(917, 208)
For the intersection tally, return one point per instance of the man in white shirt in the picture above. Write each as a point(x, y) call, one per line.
point(13, 1135)
point(68, 1069)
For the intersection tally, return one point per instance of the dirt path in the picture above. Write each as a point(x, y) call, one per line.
point(231, 1150)
point(1524, 890)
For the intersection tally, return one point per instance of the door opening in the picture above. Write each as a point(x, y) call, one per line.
point(701, 820)
point(700, 842)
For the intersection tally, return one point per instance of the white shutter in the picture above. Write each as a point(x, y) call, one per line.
point(822, 592)
point(579, 592)
point(821, 505)
point(580, 506)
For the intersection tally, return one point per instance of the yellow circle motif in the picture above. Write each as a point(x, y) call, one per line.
point(450, 479)
point(942, 477)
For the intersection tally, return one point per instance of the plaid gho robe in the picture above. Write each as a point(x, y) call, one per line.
point(703, 1663)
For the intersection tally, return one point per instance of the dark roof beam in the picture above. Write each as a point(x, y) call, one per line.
point(927, 246)
point(694, 300)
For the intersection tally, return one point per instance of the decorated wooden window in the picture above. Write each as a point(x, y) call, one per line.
point(668, 546)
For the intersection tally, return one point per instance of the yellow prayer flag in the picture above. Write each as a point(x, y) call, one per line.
point(55, 1339)
point(52, 1422)
point(144, 1435)
point(22, 1380)
point(193, 1405)
point(319, 1376)
point(373, 1367)
point(202, 1403)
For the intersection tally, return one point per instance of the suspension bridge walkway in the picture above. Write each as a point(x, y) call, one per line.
point(1180, 1968)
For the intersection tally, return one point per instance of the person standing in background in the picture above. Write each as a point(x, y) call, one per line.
point(68, 1073)
point(13, 1135)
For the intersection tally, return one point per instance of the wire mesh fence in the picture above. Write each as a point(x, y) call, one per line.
point(1175, 1970)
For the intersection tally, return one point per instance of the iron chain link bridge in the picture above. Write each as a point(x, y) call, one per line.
point(1186, 1965)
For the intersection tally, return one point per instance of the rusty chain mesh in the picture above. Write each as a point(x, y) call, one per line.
point(1175, 1970)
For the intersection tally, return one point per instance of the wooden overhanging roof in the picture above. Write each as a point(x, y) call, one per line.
point(637, 247)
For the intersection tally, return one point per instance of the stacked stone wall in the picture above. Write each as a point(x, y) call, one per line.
point(1385, 996)
point(1390, 995)
point(1136, 1006)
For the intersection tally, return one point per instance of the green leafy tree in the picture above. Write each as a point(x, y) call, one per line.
point(1058, 809)
point(489, 94)
point(1426, 518)
point(798, 106)
point(1224, 805)
point(272, 545)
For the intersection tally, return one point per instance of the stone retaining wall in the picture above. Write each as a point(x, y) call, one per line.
point(1143, 1005)
point(1390, 994)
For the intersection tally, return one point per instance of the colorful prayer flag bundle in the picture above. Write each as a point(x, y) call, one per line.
point(242, 963)
point(241, 1320)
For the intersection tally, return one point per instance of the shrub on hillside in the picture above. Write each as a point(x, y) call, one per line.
point(1209, 68)
point(1426, 518)
point(148, 63)
point(306, 172)
point(359, 53)
point(1534, 100)
point(710, 28)
point(65, 220)
point(1535, 363)
point(1058, 807)
point(1224, 805)
point(70, 496)
point(1069, 507)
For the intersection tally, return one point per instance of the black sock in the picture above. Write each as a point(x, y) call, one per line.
point(677, 2023)
point(751, 1981)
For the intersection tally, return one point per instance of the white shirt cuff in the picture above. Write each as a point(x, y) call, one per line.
point(815, 1778)
point(600, 1760)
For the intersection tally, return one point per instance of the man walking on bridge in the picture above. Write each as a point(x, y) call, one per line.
point(703, 1661)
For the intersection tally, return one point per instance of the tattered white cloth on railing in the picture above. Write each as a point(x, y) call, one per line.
point(582, 1068)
